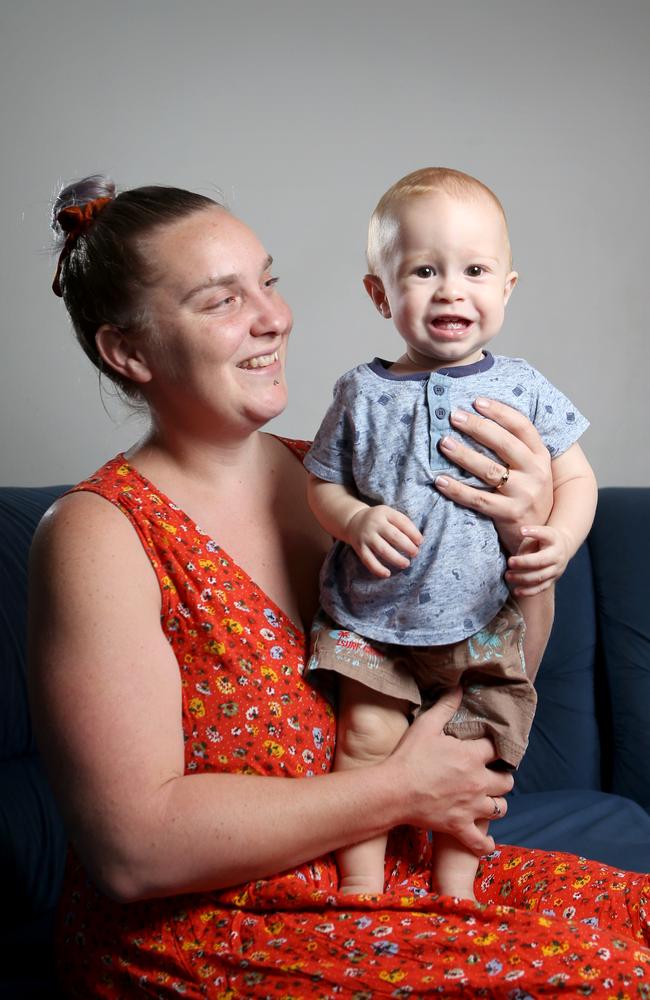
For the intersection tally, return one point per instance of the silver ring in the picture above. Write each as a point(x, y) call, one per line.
point(497, 808)
point(504, 479)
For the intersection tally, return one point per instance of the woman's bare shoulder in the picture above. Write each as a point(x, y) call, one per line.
point(75, 504)
point(80, 528)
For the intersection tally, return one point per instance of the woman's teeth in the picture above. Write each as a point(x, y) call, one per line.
point(263, 361)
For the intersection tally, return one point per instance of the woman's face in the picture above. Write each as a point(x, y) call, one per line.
point(216, 360)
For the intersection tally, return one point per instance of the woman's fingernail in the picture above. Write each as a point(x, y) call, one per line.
point(441, 481)
point(448, 443)
point(482, 401)
point(459, 417)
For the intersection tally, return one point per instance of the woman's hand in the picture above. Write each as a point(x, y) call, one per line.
point(526, 495)
point(445, 781)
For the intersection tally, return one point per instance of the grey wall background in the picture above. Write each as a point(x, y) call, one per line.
point(302, 113)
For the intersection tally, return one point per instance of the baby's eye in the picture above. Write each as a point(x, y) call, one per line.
point(474, 270)
point(426, 271)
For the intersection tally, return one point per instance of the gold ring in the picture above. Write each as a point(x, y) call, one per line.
point(504, 479)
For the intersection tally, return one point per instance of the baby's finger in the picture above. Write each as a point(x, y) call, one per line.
point(541, 532)
point(536, 574)
point(398, 540)
point(387, 553)
point(534, 580)
point(531, 591)
point(534, 560)
point(527, 545)
point(373, 564)
point(405, 525)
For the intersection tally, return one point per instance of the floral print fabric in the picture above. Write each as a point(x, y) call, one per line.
point(547, 925)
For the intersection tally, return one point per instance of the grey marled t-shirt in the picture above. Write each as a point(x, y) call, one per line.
point(380, 438)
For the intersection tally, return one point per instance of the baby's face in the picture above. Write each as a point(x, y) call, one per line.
point(446, 279)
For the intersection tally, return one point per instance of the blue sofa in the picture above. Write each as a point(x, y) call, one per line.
point(584, 785)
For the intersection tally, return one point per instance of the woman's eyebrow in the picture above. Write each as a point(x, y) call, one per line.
point(216, 282)
point(221, 280)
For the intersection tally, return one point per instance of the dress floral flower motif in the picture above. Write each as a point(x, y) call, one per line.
point(547, 925)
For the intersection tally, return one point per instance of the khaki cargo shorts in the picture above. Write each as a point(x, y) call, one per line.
point(498, 697)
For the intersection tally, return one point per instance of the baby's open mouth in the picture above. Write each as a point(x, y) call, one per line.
point(450, 323)
point(262, 361)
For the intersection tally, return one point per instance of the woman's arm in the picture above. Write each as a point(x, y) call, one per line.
point(106, 696)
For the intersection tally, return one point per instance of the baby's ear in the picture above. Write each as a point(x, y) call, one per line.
point(375, 289)
point(511, 281)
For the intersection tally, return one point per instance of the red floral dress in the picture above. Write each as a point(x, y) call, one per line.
point(547, 925)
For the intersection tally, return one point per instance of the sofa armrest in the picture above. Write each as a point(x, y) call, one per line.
point(32, 839)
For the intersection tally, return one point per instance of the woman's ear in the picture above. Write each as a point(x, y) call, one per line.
point(122, 354)
point(375, 289)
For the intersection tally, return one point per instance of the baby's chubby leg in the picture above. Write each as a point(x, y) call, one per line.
point(370, 725)
point(453, 866)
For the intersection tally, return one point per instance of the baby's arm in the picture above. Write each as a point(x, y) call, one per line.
point(546, 549)
point(378, 534)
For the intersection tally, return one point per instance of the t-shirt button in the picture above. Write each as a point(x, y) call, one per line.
point(439, 390)
point(440, 412)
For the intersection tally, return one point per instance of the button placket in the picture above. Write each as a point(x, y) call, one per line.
point(438, 406)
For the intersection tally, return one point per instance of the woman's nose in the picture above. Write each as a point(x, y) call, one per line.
point(271, 315)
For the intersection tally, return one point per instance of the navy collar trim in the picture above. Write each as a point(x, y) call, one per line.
point(383, 368)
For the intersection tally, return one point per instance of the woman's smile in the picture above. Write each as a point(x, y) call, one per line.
point(260, 361)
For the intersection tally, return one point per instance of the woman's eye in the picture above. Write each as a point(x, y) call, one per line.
point(270, 282)
point(474, 271)
point(426, 271)
point(221, 303)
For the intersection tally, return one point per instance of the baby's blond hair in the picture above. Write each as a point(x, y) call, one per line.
point(383, 222)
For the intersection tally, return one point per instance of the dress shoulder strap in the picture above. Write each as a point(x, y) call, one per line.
point(296, 445)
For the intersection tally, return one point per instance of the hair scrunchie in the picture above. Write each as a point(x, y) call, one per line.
point(75, 220)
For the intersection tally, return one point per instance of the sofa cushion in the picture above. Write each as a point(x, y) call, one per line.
point(620, 551)
point(596, 825)
point(564, 749)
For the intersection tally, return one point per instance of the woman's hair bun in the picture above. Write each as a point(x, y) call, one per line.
point(80, 193)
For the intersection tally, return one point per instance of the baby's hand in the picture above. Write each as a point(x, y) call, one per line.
point(381, 535)
point(540, 560)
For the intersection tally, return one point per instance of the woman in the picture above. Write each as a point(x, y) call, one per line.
point(166, 677)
